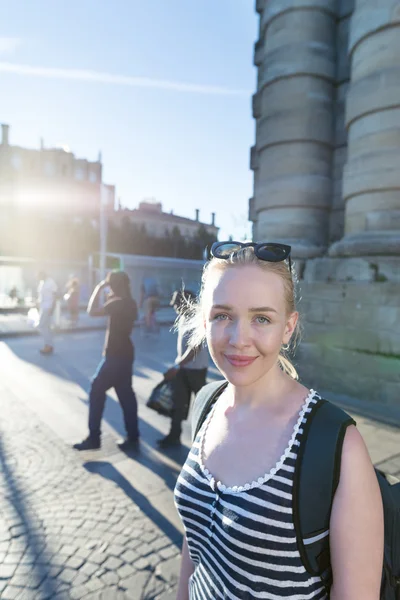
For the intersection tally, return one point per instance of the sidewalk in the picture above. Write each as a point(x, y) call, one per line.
point(16, 324)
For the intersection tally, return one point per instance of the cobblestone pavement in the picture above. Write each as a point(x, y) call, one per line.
point(65, 533)
point(95, 525)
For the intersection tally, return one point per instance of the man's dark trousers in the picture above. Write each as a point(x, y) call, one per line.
point(117, 373)
point(185, 382)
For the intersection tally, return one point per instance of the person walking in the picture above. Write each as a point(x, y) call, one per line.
point(237, 493)
point(150, 303)
point(46, 302)
point(115, 369)
point(188, 375)
point(71, 297)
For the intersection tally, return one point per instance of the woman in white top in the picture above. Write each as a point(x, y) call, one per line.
point(234, 493)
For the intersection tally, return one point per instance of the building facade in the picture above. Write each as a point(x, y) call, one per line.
point(158, 223)
point(326, 164)
point(327, 109)
point(50, 181)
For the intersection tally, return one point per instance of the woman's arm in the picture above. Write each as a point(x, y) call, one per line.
point(93, 307)
point(187, 569)
point(356, 526)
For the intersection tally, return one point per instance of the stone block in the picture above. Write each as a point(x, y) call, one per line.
point(366, 243)
point(275, 8)
point(301, 123)
point(376, 171)
point(376, 129)
point(297, 60)
point(378, 91)
point(335, 270)
point(377, 53)
point(294, 92)
point(369, 17)
point(294, 158)
point(311, 191)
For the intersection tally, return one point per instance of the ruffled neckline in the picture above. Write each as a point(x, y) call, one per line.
point(235, 489)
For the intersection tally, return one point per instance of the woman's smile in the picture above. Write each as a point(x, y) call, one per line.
point(238, 360)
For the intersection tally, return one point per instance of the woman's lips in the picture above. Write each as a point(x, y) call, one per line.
point(240, 361)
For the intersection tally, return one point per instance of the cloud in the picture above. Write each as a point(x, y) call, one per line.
point(8, 45)
point(89, 76)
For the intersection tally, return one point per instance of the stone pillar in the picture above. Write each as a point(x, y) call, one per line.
point(371, 182)
point(292, 158)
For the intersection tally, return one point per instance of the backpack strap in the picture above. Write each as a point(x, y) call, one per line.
point(316, 478)
point(205, 399)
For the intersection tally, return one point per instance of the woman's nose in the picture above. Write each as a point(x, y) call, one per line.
point(239, 334)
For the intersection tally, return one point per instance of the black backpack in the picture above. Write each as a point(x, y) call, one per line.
point(315, 481)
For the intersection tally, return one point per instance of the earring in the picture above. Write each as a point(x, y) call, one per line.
point(285, 348)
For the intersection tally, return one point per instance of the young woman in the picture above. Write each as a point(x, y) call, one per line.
point(234, 493)
point(115, 368)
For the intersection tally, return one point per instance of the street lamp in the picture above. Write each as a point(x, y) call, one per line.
point(103, 229)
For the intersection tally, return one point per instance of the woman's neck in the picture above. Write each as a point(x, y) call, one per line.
point(268, 392)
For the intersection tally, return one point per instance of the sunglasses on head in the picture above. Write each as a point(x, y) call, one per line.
point(268, 251)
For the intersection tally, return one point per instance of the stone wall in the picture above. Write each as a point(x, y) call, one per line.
point(351, 345)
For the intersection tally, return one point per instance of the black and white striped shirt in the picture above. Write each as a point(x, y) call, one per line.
point(241, 539)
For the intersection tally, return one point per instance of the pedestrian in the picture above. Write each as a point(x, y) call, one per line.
point(149, 302)
point(235, 491)
point(115, 368)
point(71, 297)
point(46, 302)
point(188, 375)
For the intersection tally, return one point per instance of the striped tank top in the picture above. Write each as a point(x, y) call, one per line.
point(241, 539)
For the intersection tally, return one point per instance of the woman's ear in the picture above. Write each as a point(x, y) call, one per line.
point(290, 327)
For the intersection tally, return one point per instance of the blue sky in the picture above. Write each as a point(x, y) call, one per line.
point(162, 87)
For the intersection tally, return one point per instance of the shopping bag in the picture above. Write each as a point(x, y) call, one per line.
point(161, 398)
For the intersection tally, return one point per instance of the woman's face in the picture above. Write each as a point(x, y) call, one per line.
point(246, 322)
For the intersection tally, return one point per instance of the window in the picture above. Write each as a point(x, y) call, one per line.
point(92, 176)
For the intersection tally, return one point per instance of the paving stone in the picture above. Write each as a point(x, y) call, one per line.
point(135, 585)
point(79, 592)
point(115, 550)
point(10, 593)
point(7, 571)
point(125, 571)
point(94, 584)
point(98, 558)
point(110, 578)
point(67, 575)
point(168, 552)
point(112, 563)
point(88, 569)
point(141, 564)
point(74, 562)
point(129, 556)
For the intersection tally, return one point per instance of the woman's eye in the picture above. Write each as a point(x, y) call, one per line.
point(262, 320)
point(220, 317)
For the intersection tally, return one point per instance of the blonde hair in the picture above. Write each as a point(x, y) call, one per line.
point(190, 319)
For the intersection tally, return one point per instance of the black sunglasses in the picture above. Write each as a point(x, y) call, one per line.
point(268, 251)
